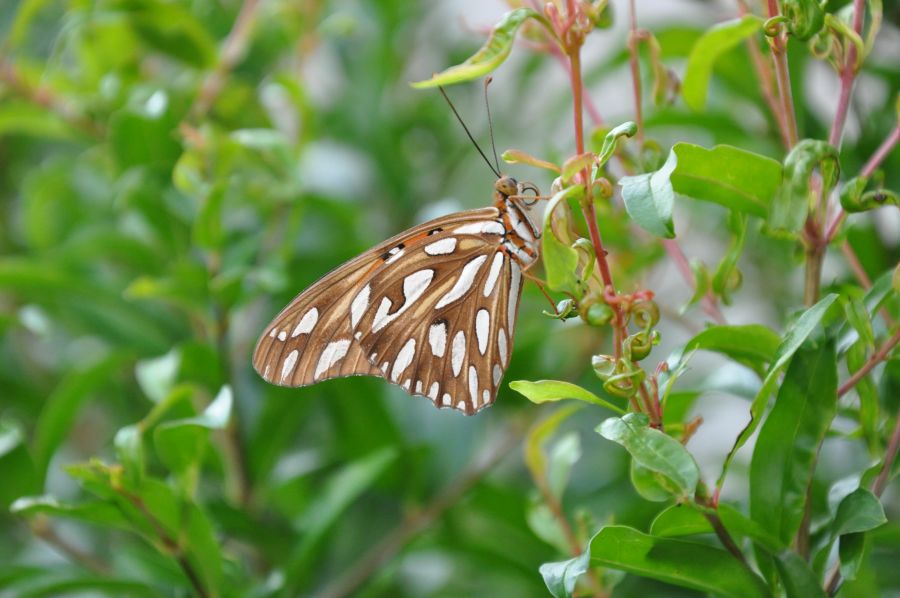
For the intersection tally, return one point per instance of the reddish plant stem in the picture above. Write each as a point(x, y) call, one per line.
point(635, 72)
point(783, 79)
point(876, 358)
point(848, 76)
point(590, 213)
point(764, 74)
point(709, 303)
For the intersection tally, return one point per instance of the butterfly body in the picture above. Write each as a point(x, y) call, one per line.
point(432, 309)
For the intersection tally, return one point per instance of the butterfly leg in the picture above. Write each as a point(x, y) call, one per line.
point(540, 284)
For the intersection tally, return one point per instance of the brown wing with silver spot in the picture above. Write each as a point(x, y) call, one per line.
point(311, 339)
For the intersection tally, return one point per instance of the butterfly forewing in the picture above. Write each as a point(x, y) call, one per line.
point(432, 310)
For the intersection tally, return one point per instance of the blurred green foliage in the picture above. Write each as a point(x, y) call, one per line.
point(172, 173)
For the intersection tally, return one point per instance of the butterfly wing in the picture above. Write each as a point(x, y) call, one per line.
point(310, 339)
point(443, 328)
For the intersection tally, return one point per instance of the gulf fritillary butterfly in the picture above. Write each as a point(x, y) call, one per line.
point(432, 309)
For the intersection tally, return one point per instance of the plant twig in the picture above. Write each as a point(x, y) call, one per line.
point(382, 552)
point(876, 358)
point(783, 79)
point(232, 51)
point(709, 303)
point(848, 76)
point(635, 71)
point(43, 529)
point(46, 98)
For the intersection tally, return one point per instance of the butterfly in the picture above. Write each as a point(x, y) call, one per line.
point(432, 309)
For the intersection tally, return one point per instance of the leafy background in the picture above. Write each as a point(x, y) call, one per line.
point(169, 180)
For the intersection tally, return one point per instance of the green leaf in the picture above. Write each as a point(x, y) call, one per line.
point(576, 164)
point(753, 345)
point(492, 53)
point(717, 40)
point(62, 406)
point(679, 562)
point(543, 391)
point(563, 456)
point(130, 451)
point(560, 577)
point(143, 138)
point(626, 129)
point(19, 472)
point(650, 485)
point(785, 453)
point(860, 511)
point(560, 260)
point(654, 450)
point(680, 520)
point(726, 175)
point(649, 199)
point(181, 443)
point(791, 341)
point(791, 204)
point(157, 376)
point(728, 277)
point(208, 229)
point(341, 490)
point(798, 579)
point(96, 512)
point(173, 30)
point(538, 435)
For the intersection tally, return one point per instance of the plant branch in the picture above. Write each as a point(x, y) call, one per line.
point(43, 529)
point(725, 537)
point(764, 74)
point(848, 76)
point(46, 98)
point(876, 358)
point(783, 79)
point(709, 303)
point(635, 71)
point(232, 51)
point(382, 552)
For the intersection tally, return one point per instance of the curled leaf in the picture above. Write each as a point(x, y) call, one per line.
point(854, 197)
point(805, 17)
point(514, 156)
point(491, 54)
point(790, 205)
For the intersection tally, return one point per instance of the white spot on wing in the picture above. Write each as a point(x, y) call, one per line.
point(404, 358)
point(458, 352)
point(486, 227)
point(461, 405)
point(442, 247)
point(516, 279)
point(414, 286)
point(289, 362)
point(482, 329)
point(433, 391)
point(359, 305)
point(273, 332)
point(485, 396)
point(473, 384)
point(282, 335)
point(446, 400)
point(464, 282)
point(418, 386)
point(493, 274)
point(306, 323)
point(501, 346)
point(332, 354)
point(395, 255)
point(437, 338)
point(498, 373)
point(406, 383)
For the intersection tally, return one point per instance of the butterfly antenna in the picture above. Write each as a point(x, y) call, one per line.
point(487, 106)
point(496, 171)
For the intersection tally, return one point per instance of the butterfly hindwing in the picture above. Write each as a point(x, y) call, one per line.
point(441, 328)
